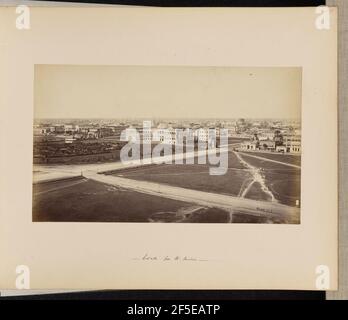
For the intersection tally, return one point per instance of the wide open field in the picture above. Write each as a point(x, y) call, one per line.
point(83, 200)
point(283, 181)
point(193, 176)
point(287, 158)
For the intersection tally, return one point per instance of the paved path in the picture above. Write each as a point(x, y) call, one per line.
point(257, 177)
point(259, 208)
point(236, 204)
point(52, 172)
point(59, 187)
point(53, 175)
point(270, 160)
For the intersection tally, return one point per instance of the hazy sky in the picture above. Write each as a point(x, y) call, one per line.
point(64, 91)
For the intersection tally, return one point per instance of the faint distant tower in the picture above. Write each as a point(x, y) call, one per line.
point(255, 138)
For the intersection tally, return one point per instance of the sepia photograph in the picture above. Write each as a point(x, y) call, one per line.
point(167, 144)
point(146, 154)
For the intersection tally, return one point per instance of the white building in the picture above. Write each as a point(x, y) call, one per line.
point(249, 146)
point(164, 135)
point(40, 131)
point(266, 135)
point(71, 128)
point(206, 134)
point(292, 143)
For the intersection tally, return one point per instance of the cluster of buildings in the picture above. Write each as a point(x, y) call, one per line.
point(276, 136)
point(74, 132)
point(266, 135)
point(170, 135)
point(282, 142)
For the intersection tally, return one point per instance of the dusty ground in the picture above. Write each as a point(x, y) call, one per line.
point(282, 181)
point(84, 200)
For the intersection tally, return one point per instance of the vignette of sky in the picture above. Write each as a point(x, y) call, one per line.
point(82, 91)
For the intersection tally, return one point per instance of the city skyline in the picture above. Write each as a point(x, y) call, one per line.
point(167, 144)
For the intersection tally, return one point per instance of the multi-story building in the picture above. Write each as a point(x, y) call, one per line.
point(163, 134)
point(207, 134)
point(59, 128)
point(266, 134)
point(292, 143)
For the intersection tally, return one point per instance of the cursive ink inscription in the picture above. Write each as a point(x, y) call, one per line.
point(178, 258)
